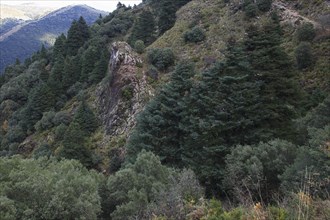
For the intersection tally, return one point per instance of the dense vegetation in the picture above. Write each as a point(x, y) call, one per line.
point(242, 137)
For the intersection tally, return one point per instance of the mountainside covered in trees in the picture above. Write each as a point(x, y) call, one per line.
point(190, 109)
point(19, 40)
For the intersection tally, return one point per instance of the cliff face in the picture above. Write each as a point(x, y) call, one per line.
point(121, 96)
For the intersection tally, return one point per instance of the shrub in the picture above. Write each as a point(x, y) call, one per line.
point(46, 122)
point(62, 117)
point(139, 46)
point(264, 5)
point(161, 58)
point(304, 56)
point(306, 32)
point(253, 170)
point(194, 35)
point(251, 10)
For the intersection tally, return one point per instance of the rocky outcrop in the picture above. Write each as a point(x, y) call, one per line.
point(121, 96)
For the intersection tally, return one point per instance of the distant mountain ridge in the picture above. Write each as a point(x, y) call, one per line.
point(21, 39)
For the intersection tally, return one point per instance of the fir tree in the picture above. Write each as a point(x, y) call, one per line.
point(221, 111)
point(144, 28)
point(86, 118)
point(279, 91)
point(100, 68)
point(78, 34)
point(158, 128)
point(71, 71)
point(59, 49)
point(40, 100)
point(73, 146)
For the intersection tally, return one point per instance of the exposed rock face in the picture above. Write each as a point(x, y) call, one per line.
point(122, 95)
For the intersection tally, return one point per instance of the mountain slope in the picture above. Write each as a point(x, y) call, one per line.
point(22, 40)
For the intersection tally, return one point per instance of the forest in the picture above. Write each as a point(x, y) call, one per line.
point(173, 110)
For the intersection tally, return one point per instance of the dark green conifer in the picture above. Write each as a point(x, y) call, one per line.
point(144, 28)
point(158, 127)
point(279, 90)
point(86, 118)
point(78, 34)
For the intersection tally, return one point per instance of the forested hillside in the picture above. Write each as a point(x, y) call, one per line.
point(190, 109)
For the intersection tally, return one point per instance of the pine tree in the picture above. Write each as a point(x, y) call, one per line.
point(157, 127)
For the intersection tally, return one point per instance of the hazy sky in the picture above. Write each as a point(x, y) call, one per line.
point(105, 5)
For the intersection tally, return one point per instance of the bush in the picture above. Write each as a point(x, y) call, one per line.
point(253, 170)
point(62, 117)
point(304, 56)
point(306, 32)
point(46, 122)
point(139, 46)
point(264, 5)
point(251, 10)
point(161, 58)
point(48, 189)
point(194, 35)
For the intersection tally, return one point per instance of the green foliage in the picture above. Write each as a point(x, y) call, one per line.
point(304, 55)
point(59, 49)
point(311, 167)
point(161, 58)
point(41, 189)
point(118, 25)
point(251, 10)
point(46, 122)
point(74, 145)
point(280, 91)
point(100, 68)
point(139, 46)
point(7, 208)
point(221, 111)
point(305, 32)
point(62, 117)
point(144, 29)
point(166, 12)
point(40, 100)
point(86, 118)
point(158, 125)
point(194, 35)
point(253, 170)
point(131, 188)
point(264, 5)
point(78, 34)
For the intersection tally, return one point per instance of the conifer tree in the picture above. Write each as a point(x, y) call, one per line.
point(144, 29)
point(100, 68)
point(158, 127)
point(40, 100)
point(73, 146)
point(279, 90)
point(88, 60)
point(56, 76)
point(59, 49)
point(71, 71)
point(86, 118)
point(221, 111)
point(78, 34)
